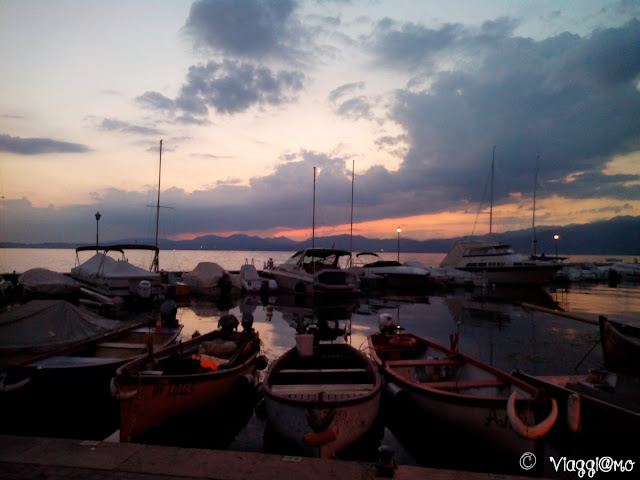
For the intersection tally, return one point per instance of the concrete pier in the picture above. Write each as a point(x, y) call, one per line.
point(30, 458)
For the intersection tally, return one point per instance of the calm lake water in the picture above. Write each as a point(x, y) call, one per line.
point(493, 327)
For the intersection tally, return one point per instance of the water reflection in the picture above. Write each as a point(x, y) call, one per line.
point(493, 327)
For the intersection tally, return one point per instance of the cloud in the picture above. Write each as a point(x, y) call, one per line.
point(527, 97)
point(113, 125)
point(155, 101)
point(248, 29)
point(38, 146)
point(353, 107)
point(231, 87)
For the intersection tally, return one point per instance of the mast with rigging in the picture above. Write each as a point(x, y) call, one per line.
point(533, 221)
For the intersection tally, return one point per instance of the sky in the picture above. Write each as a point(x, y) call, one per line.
point(287, 118)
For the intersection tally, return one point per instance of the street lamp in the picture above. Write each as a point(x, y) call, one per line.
point(97, 223)
point(398, 230)
point(556, 237)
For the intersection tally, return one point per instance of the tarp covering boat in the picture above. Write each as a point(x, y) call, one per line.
point(42, 281)
point(108, 267)
point(42, 325)
point(205, 275)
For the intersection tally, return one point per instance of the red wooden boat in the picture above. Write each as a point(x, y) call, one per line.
point(183, 378)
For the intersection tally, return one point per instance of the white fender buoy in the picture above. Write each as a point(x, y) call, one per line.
point(531, 432)
point(118, 394)
point(574, 413)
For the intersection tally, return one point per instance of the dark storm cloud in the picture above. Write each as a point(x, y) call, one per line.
point(573, 99)
point(244, 28)
point(231, 87)
point(38, 146)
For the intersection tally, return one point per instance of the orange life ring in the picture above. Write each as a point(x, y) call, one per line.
point(318, 439)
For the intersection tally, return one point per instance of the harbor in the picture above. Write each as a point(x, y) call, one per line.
point(549, 330)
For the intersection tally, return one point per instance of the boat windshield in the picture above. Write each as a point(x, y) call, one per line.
point(294, 259)
point(323, 260)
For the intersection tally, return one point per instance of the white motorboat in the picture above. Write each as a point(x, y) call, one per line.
point(316, 271)
point(376, 272)
point(498, 263)
point(116, 277)
point(626, 270)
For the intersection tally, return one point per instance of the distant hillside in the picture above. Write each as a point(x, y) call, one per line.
point(618, 236)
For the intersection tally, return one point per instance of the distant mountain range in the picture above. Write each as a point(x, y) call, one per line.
point(618, 236)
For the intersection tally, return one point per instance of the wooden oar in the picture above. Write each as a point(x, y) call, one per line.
point(560, 313)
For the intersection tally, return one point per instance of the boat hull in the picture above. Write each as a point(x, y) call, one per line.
point(69, 380)
point(620, 346)
point(587, 423)
point(349, 423)
point(324, 402)
point(150, 395)
point(469, 396)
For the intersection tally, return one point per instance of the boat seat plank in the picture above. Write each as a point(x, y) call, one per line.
point(316, 388)
point(324, 370)
point(70, 361)
point(419, 362)
point(465, 384)
point(137, 346)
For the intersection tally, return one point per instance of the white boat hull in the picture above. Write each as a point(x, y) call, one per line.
point(489, 423)
point(349, 423)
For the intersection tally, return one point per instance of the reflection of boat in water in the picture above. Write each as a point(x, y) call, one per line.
point(473, 397)
point(325, 316)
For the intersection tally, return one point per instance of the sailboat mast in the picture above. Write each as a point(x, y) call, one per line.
point(313, 218)
point(158, 204)
point(353, 168)
point(493, 159)
point(533, 220)
point(155, 265)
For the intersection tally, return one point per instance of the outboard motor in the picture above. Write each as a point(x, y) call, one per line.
point(168, 312)
point(386, 324)
point(228, 323)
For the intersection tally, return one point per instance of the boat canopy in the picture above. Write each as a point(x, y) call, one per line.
point(101, 265)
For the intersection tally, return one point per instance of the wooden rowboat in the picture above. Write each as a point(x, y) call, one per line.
point(323, 400)
point(620, 346)
point(183, 378)
point(67, 381)
point(592, 407)
point(470, 396)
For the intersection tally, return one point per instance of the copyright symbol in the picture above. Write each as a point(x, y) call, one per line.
point(527, 461)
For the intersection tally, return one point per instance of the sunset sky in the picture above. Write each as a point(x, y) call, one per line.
point(249, 96)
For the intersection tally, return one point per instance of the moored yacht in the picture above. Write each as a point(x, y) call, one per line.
point(498, 263)
point(315, 271)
